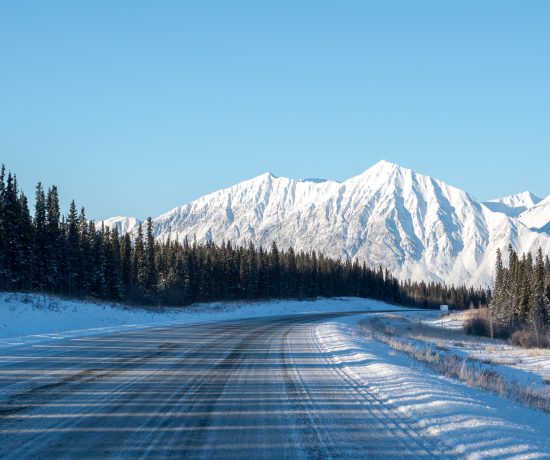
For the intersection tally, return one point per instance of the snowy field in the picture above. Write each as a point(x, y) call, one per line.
point(30, 318)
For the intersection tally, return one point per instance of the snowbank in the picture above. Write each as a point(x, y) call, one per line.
point(28, 318)
point(472, 423)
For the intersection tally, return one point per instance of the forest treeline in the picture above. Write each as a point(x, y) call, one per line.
point(69, 255)
point(521, 295)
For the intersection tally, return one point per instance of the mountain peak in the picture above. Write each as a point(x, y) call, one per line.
point(526, 199)
point(513, 205)
point(382, 171)
point(383, 167)
point(537, 216)
point(385, 164)
point(386, 167)
point(266, 176)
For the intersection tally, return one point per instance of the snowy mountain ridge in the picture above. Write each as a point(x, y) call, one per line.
point(537, 217)
point(513, 205)
point(415, 225)
point(122, 224)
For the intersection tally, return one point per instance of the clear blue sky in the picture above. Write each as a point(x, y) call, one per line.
point(135, 107)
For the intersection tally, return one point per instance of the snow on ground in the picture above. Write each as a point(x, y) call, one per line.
point(473, 423)
point(29, 318)
point(524, 365)
point(434, 318)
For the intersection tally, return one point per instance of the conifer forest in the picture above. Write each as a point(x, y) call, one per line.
point(521, 294)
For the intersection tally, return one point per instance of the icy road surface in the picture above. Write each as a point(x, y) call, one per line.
point(256, 388)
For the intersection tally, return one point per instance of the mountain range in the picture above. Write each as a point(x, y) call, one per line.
point(417, 226)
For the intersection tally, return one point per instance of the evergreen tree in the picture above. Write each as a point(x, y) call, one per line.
point(112, 276)
point(140, 265)
point(26, 240)
point(97, 255)
point(150, 275)
point(11, 236)
point(126, 266)
point(72, 251)
point(85, 254)
point(537, 308)
point(40, 247)
point(3, 229)
point(274, 273)
point(54, 241)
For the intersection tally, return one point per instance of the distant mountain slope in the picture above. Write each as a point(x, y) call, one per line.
point(122, 224)
point(513, 205)
point(538, 217)
point(417, 226)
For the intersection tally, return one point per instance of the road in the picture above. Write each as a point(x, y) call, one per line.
point(259, 388)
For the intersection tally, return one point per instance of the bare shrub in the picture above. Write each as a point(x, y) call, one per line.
point(481, 323)
point(527, 338)
point(477, 324)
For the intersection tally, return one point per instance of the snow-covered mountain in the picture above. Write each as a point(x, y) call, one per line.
point(526, 207)
point(417, 226)
point(122, 224)
point(513, 205)
point(538, 217)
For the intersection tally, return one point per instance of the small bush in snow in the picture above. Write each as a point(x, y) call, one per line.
point(528, 338)
point(477, 324)
point(481, 323)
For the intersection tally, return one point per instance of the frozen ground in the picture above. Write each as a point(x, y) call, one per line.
point(269, 383)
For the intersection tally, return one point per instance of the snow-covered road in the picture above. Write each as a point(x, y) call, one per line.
point(279, 387)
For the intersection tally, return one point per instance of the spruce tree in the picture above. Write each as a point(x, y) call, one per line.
point(97, 253)
point(54, 247)
point(14, 233)
point(140, 263)
point(150, 275)
point(499, 292)
point(3, 227)
point(72, 251)
point(26, 265)
point(537, 311)
point(85, 254)
point(40, 246)
point(113, 279)
point(126, 264)
point(274, 272)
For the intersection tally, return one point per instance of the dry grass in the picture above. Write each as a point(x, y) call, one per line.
point(473, 373)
